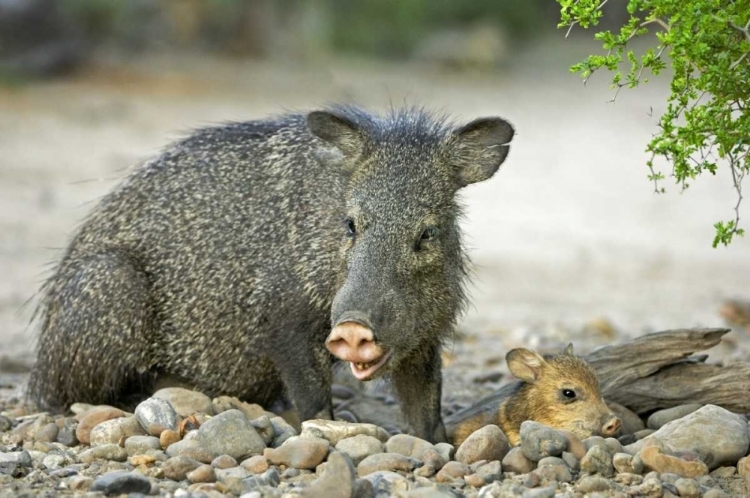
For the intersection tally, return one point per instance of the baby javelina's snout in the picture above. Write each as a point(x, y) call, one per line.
point(560, 391)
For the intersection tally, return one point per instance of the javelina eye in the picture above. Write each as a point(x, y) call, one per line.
point(569, 394)
point(351, 230)
point(429, 233)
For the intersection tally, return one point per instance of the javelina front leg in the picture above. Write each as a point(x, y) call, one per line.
point(307, 378)
point(419, 383)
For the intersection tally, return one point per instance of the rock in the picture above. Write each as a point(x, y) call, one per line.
point(454, 469)
point(743, 466)
point(156, 415)
point(657, 420)
point(407, 445)
point(250, 410)
point(300, 453)
point(225, 475)
point(168, 438)
point(54, 462)
point(202, 473)
point(66, 433)
point(112, 431)
point(643, 433)
point(283, 431)
point(651, 486)
point(121, 482)
point(598, 461)
point(47, 434)
point(264, 428)
point(192, 449)
point(718, 436)
point(539, 441)
point(138, 445)
point(387, 483)
point(625, 463)
point(177, 468)
point(548, 492)
point(334, 431)
point(488, 443)
point(655, 459)
point(256, 464)
point(224, 462)
point(79, 483)
point(631, 422)
point(104, 452)
point(137, 460)
point(571, 461)
point(446, 451)
point(715, 493)
point(385, 461)
point(336, 481)
point(184, 401)
point(593, 484)
point(229, 433)
point(723, 472)
point(491, 471)
point(515, 461)
point(20, 457)
point(475, 481)
point(94, 418)
point(575, 445)
point(269, 478)
point(553, 473)
point(359, 447)
point(687, 488)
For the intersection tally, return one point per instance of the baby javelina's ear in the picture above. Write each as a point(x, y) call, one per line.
point(525, 364)
point(569, 350)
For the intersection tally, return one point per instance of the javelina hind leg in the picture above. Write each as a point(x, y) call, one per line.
point(91, 299)
point(419, 380)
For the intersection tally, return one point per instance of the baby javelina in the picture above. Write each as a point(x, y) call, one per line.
point(560, 391)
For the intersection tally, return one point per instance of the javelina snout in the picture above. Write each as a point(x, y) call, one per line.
point(355, 343)
point(611, 425)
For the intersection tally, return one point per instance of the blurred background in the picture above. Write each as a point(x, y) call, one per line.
point(568, 240)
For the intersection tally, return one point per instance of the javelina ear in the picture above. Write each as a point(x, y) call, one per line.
point(336, 130)
point(525, 364)
point(479, 148)
point(569, 350)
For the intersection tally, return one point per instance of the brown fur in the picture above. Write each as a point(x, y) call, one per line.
point(539, 397)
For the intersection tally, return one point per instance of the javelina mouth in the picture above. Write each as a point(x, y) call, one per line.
point(364, 371)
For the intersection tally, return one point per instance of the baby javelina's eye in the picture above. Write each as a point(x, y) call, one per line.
point(351, 230)
point(569, 394)
point(428, 234)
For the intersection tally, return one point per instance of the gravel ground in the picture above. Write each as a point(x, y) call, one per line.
point(568, 242)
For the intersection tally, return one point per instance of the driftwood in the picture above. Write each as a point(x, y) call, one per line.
point(656, 371)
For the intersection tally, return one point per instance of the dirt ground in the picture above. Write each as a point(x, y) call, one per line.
point(568, 239)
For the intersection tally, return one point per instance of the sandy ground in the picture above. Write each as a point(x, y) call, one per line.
point(568, 231)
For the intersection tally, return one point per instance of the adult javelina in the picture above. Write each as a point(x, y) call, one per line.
point(234, 259)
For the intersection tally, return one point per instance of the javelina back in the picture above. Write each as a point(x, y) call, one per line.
point(243, 256)
point(561, 391)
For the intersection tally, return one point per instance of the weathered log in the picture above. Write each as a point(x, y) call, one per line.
point(655, 371)
point(619, 364)
point(725, 386)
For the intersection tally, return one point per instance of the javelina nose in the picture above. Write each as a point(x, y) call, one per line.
point(351, 341)
point(611, 426)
